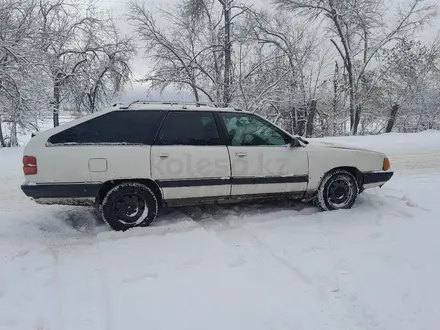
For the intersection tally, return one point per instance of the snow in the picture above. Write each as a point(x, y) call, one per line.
point(265, 266)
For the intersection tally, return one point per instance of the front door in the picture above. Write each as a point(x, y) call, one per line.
point(262, 159)
point(188, 159)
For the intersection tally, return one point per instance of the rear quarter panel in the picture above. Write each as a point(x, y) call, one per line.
point(70, 164)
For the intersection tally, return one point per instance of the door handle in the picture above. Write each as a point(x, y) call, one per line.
point(163, 156)
point(241, 154)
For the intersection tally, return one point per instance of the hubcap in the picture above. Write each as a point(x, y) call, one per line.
point(130, 209)
point(339, 192)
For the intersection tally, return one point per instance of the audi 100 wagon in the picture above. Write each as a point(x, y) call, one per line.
point(129, 161)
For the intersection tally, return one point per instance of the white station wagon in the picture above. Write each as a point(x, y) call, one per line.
point(129, 161)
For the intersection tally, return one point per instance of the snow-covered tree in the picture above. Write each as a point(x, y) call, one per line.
point(194, 50)
point(23, 93)
point(292, 68)
point(77, 41)
point(359, 30)
point(410, 82)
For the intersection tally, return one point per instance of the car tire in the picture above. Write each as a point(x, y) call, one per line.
point(129, 205)
point(337, 191)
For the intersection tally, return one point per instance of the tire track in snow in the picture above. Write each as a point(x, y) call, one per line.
point(104, 291)
point(232, 235)
point(58, 286)
point(82, 306)
point(338, 311)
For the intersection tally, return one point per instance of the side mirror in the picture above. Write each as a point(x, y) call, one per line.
point(294, 143)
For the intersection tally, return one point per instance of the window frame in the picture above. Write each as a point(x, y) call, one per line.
point(216, 121)
point(225, 134)
point(79, 144)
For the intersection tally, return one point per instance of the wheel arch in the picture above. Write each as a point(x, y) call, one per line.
point(352, 170)
point(107, 186)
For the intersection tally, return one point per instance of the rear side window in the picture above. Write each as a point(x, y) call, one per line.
point(117, 127)
point(189, 128)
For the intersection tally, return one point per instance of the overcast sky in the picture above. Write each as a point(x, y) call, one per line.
point(140, 65)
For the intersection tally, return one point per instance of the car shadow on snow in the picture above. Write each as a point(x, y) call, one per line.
point(218, 211)
point(80, 221)
point(87, 220)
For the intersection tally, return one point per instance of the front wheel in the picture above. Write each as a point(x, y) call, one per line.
point(338, 190)
point(129, 205)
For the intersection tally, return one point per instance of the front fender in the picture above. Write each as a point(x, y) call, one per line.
point(324, 160)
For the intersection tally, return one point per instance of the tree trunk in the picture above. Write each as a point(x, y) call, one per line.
point(2, 138)
point(352, 97)
point(228, 54)
point(332, 119)
point(56, 103)
point(348, 63)
point(291, 129)
point(335, 88)
point(357, 119)
point(392, 118)
point(311, 118)
point(301, 122)
point(294, 120)
point(14, 139)
point(195, 91)
point(215, 59)
point(91, 103)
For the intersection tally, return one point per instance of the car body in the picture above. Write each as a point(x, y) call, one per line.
point(188, 154)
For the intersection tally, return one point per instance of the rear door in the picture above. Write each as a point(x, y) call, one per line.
point(188, 159)
point(262, 160)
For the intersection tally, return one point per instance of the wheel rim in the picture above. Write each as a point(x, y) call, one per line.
point(130, 209)
point(339, 192)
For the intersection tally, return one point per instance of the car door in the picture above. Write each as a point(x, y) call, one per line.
point(262, 159)
point(188, 159)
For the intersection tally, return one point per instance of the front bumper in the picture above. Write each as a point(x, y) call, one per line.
point(376, 179)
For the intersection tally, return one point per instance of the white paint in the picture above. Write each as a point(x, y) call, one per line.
point(325, 157)
point(273, 161)
point(191, 162)
point(70, 163)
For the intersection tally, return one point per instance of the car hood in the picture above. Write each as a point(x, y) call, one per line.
point(331, 145)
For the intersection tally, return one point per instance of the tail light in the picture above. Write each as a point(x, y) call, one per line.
point(29, 165)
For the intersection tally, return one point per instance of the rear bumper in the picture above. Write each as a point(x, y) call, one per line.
point(376, 179)
point(61, 190)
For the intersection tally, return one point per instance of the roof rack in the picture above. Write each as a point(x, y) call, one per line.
point(183, 103)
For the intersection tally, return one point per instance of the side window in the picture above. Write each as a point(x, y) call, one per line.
point(248, 130)
point(189, 128)
point(117, 127)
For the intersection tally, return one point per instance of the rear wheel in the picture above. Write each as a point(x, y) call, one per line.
point(129, 205)
point(338, 190)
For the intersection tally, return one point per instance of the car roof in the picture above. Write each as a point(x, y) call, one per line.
point(171, 105)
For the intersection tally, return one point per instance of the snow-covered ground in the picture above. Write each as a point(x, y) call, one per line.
point(267, 266)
